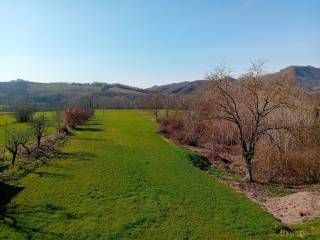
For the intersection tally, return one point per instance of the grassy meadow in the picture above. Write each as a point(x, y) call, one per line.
point(119, 179)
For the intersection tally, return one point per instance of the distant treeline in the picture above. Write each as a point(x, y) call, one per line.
point(54, 96)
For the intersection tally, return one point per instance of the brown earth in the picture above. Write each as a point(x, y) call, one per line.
point(296, 207)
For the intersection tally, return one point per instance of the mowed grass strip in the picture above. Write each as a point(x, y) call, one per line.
point(119, 179)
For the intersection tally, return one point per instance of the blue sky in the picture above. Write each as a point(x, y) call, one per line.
point(149, 42)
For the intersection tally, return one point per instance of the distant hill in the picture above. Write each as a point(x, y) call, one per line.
point(56, 95)
point(179, 88)
point(306, 76)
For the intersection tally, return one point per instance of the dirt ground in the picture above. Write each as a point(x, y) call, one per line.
point(295, 208)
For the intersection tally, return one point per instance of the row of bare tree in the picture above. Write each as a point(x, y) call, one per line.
point(15, 139)
point(73, 116)
point(274, 122)
point(30, 140)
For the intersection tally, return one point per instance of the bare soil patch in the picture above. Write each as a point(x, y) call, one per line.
point(296, 207)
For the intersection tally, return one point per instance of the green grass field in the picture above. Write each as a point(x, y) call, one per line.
point(119, 179)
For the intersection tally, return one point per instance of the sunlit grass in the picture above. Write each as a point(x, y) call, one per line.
point(119, 179)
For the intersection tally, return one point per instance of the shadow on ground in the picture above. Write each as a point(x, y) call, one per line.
point(80, 156)
point(7, 192)
point(88, 129)
point(94, 124)
point(199, 161)
point(12, 219)
point(88, 139)
point(48, 174)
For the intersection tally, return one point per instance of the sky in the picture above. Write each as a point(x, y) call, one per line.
point(152, 42)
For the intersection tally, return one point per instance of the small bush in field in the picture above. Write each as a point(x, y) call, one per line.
point(23, 113)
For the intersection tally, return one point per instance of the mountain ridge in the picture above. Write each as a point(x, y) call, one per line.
point(57, 94)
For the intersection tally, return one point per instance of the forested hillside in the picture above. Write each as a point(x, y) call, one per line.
point(50, 96)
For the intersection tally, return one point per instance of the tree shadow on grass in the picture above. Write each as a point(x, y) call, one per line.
point(7, 192)
point(88, 129)
point(199, 161)
point(93, 124)
point(48, 174)
point(11, 215)
point(17, 212)
point(88, 139)
point(80, 156)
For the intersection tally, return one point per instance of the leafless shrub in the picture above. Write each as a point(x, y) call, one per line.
point(220, 134)
point(167, 104)
point(13, 139)
point(73, 116)
point(193, 128)
point(154, 102)
point(39, 128)
point(292, 156)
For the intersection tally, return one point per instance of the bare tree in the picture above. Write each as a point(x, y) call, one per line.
point(12, 141)
point(84, 102)
point(39, 128)
point(249, 104)
point(183, 101)
point(167, 104)
point(87, 104)
point(154, 102)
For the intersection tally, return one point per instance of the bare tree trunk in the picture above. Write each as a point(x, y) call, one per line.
point(156, 113)
point(14, 156)
point(38, 141)
point(248, 166)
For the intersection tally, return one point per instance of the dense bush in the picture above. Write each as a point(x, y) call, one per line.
point(292, 155)
point(73, 116)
